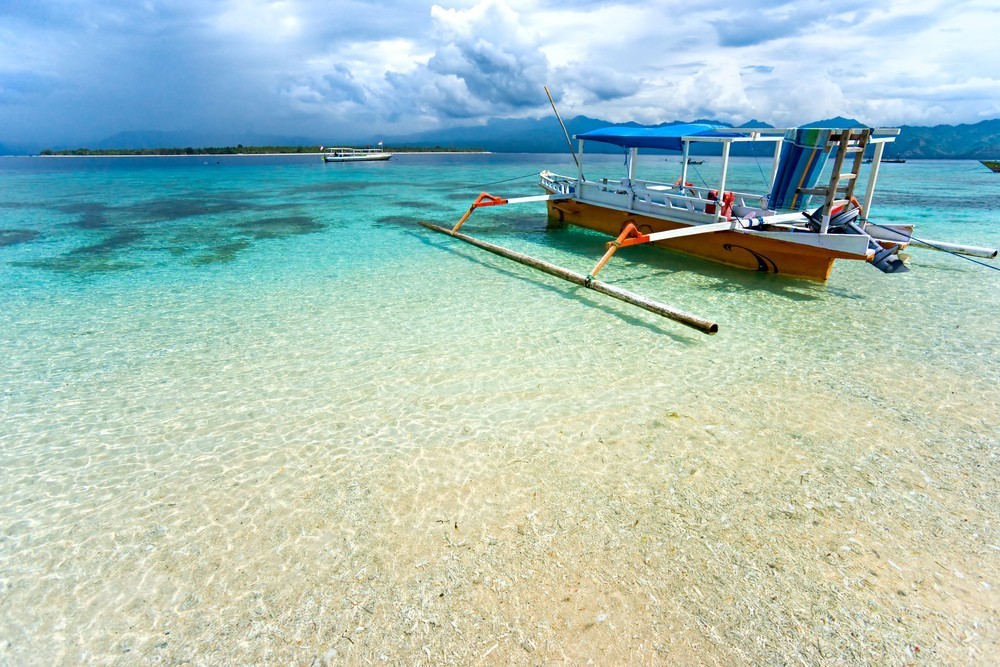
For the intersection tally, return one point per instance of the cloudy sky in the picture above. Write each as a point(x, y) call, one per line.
point(81, 70)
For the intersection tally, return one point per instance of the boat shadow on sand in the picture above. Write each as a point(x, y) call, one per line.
point(640, 264)
point(568, 292)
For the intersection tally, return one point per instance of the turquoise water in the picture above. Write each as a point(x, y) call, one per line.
point(252, 411)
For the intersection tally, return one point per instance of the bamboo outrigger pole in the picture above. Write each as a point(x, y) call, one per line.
point(661, 309)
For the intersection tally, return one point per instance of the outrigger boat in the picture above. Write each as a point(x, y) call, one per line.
point(347, 154)
point(776, 231)
point(771, 231)
point(992, 165)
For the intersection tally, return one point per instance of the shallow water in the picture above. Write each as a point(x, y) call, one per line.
point(252, 412)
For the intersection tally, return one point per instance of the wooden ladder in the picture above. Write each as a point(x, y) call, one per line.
point(847, 142)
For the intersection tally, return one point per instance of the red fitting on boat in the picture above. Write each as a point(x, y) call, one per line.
point(486, 199)
point(727, 203)
point(630, 235)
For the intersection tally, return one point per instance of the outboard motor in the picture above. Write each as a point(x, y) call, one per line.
point(885, 260)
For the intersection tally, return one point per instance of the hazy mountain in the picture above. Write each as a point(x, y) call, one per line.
point(978, 141)
point(836, 121)
point(544, 135)
point(499, 135)
point(503, 135)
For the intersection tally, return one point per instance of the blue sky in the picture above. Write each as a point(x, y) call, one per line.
point(77, 71)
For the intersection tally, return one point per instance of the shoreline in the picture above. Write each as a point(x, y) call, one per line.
point(310, 153)
point(315, 154)
point(319, 154)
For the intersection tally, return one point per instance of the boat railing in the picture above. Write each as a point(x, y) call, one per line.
point(563, 185)
point(653, 197)
point(650, 196)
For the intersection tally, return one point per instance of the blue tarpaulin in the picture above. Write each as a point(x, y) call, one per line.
point(666, 138)
point(803, 156)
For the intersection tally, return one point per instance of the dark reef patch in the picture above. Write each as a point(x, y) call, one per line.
point(116, 241)
point(416, 204)
point(403, 220)
point(220, 254)
point(9, 237)
point(276, 228)
point(331, 187)
point(91, 215)
point(165, 210)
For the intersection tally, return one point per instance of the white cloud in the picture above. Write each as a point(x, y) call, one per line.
point(259, 20)
point(301, 67)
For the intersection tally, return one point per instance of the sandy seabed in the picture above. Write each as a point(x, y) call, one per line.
point(685, 537)
point(480, 466)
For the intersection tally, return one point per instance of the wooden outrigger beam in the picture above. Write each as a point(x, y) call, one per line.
point(486, 199)
point(957, 248)
point(661, 309)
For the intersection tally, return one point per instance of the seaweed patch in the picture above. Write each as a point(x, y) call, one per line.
point(221, 254)
point(273, 228)
point(9, 237)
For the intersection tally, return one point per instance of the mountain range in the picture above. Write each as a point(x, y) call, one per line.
point(978, 141)
point(544, 135)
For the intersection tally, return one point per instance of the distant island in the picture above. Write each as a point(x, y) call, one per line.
point(240, 149)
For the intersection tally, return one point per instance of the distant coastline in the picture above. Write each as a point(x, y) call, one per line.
point(239, 149)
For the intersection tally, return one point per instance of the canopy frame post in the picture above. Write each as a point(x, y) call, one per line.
point(684, 162)
point(722, 179)
point(774, 164)
point(866, 207)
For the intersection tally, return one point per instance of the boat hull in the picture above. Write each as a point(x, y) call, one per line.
point(993, 165)
point(358, 158)
point(742, 250)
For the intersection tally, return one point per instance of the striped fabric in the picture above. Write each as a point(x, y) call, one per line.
point(803, 156)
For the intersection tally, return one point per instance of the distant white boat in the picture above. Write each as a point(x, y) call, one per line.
point(347, 154)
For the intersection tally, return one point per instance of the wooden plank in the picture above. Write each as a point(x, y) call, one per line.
point(638, 300)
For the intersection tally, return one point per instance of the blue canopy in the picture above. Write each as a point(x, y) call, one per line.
point(667, 137)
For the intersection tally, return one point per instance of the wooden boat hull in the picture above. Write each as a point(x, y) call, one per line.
point(993, 165)
point(745, 251)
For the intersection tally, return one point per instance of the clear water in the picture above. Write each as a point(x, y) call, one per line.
point(251, 411)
